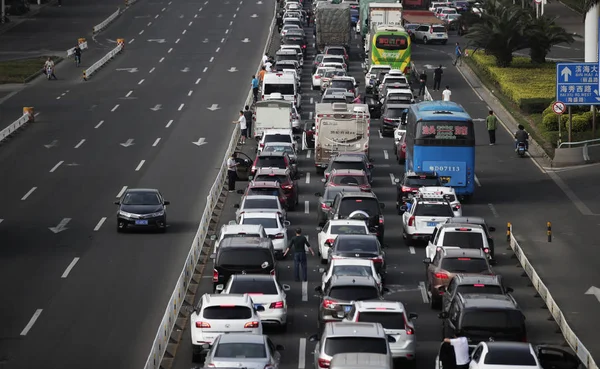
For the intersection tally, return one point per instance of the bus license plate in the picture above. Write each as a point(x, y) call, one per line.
point(431, 224)
point(141, 222)
point(445, 179)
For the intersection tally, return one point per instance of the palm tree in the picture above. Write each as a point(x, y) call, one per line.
point(500, 33)
point(543, 33)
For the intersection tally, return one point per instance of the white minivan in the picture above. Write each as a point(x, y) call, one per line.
point(283, 83)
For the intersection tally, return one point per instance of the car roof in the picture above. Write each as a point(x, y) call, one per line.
point(141, 190)
point(467, 220)
point(271, 154)
point(396, 106)
point(263, 184)
point(289, 144)
point(245, 242)
point(352, 261)
point(352, 329)
point(379, 305)
point(471, 227)
point(346, 222)
point(334, 47)
point(251, 215)
point(358, 237)
point(240, 228)
point(339, 189)
point(242, 338)
point(285, 52)
point(347, 158)
point(261, 197)
point(254, 277)
point(270, 132)
point(347, 172)
point(343, 78)
point(212, 299)
point(477, 279)
point(358, 194)
point(508, 345)
point(467, 253)
point(488, 301)
point(350, 280)
point(269, 170)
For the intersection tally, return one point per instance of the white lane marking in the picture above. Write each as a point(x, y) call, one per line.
point(230, 23)
point(302, 353)
point(141, 32)
point(183, 32)
point(205, 69)
point(304, 291)
point(177, 41)
point(137, 169)
point(171, 49)
point(141, 81)
point(156, 142)
point(28, 193)
point(393, 178)
point(235, 15)
point(237, 9)
point(100, 223)
point(198, 80)
point(36, 114)
point(200, 9)
point(71, 265)
point(99, 124)
point(423, 292)
point(156, 16)
point(385, 155)
point(190, 93)
point(35, 317)
point(190, 24)
point(227, 30)
point(129, 94)
point(311, 100)
point(56, 166)
point(562, 47)
point(308, 154)
point(211, 59)
point(411, 249)
point(380, 134)
point(152, 70)
point(307, 177)
point(310, 115)
point(570, 194)
point(180, 107)
point(122, 191)
point(163, 9)
point(493, 210)
point(131, 41)
point(161, 59)
point(115, 108)
point(169, 124)
point(218, 48)
point(80, 143)
point(195, 15)
point(149, 24)
point(1, 220)
point(477, 181)
point(306, 209)
point(58, 97)
point(222, 40)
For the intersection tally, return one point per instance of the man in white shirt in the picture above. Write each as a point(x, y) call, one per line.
point(265, 59)
point(243, 127)
point(231, 173)
point(461, 351)
point(268, 66)
point(446, 94)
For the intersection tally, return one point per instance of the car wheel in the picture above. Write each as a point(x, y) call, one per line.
point(434, 304)
point(120, 227)
point(424, 40)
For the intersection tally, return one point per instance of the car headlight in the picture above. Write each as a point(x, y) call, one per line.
point(157, 214)
point(126, 214)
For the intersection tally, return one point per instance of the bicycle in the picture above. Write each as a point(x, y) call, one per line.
point(77, 60)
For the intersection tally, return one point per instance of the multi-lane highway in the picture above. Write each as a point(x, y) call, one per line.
point(75, 293)
point(405, 268)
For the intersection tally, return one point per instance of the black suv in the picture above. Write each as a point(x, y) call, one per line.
point(347, 203)
point(480, 284)
point(392, 116)
point(484, 317)
point(412, 181)
point(247, 255)
point(478, 221)
point(340, 293)
point(360, 246)
point(358, 161)
point(274, 160)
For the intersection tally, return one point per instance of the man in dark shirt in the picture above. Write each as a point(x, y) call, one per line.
point(248, 116)
point(437, 78)
point(521, 136)
point(422, 83)
point(297, 244)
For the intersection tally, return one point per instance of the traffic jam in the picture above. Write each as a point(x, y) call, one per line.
point(338, 86)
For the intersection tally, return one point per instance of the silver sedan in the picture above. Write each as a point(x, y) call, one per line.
point(251, 351)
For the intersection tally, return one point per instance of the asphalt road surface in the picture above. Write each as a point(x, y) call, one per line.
point(80, 295)
point(405, 267)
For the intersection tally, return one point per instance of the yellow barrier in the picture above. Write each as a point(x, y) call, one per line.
point(84, 76)
point(80, 40)
point(29, 110)
point(121, 41)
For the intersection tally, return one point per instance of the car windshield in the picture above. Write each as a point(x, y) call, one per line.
point(271, 162)
point(352, 270)
point(255, 287)
point(465, 265)
point(261, 203)
point(356, 165)
point(343, 345)
point(348, 180)
point(278, 138)
point(293, 41)
point(348, 229)
point(348, 85)
point(282, 88)
point(433, 210)
point(227, 312)
point(510, 357)
point(265, 222)
point(487, 289)
point(388, 320)
point(368, 205)
point(354, 293)
point(280, 58)
point(266, 191)
point(492, 319)
point(349, 244)
point(331, 192)
point(244, 256)
point(140, 198)
point(333, 99)
point(439, 29)
point(240, 350)
point(279, 178)
point(422, 181)
point(334, 90)
point(467, 240)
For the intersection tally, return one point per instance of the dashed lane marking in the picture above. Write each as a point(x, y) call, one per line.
point(56, 166)
point(169, 123)
point(28, 193)
point(423, 292)
point(122, 191)
point(99, 124)
point(308, 154)
point(307, 177)
point(493, 210)
point(151, 70)
point(190, 93)
point(304, 291)
point(115, 108)
point(156, 142)
point(385, 155)
point(80, 143)
point(392, 178)
point(302, 353)
point(140, 165)
point(411, 249)
point(29, 325)
point(306, 207)
point(100, 223)
point(477, 181)
point(71, 266)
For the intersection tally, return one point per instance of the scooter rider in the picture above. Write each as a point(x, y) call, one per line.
point(521, 136)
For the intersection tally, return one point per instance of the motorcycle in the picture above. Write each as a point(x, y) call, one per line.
point(521, 149)
point(48, 72)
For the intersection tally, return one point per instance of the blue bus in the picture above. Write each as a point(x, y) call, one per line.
point(440, 138)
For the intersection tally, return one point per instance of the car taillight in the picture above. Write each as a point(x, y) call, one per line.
point(457, 207)
point(324, 363)
point(202, 325)
point(330, 241)
point(486, 250)
point(388, 120)
point(408, 189)
point(211, 366)
point(215, 275)
point(365, 188)
point(276, 305)
point(410, 331)
point(411, 221)
point(403, 147)
point(377, 260)
point(287, 187)
point(251, 325)
point(279, 235)
point(325, 207)
point(272, 272)
point(262, 145)
point(328, 304)
point(381, 220)
point(317, 77)
point(441, 275)
point(326, 176)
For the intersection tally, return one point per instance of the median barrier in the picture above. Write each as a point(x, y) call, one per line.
point(166, 338)
point(100, 63)
point(553, 308)
point(99, 27)
point(567, 156)
point(27, 117)
point(427, 95)
point(592, 153)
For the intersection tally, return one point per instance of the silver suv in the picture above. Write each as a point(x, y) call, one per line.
point(343, 338)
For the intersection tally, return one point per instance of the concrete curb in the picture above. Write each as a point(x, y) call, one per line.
point(12, 24)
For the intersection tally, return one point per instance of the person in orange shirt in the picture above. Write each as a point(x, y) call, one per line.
point(261, 74)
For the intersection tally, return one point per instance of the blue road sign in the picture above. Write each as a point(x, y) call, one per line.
point(577, 83)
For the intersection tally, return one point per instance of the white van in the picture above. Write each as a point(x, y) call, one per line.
point(283, 83)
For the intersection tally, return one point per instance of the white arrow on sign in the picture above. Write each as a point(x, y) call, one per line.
point(159, 40)
point(51, 144)
point(201, 141)
point(62, 226)
point(214, 107)
point(205, 41)
point(232, 69)
point(130, 70)
point(185, 70)
point(594, 291)
point(127, 143)
point(157, 107)
point(245, 40)
point(597, 95)
point(566, 73)
point(254, 16)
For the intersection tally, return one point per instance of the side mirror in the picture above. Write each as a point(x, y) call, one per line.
point(286, 287)
point(219, 288)
point(382, 206)
point(319, 229)
point(385, 290)
point(260, 308)
point(427, 261)
point(213, 256)
point(492, 229)
point(442, 288)
point(413, 316)
point(318, 194)
point(391, 339)
point(396, 180)
point(339, 314)
point(213, 237)
point(509, 290)
point(205, 346)
point(370, 166)
point(236, 206)
point(443, 315)
point(117, 202)
point(313, 338)
point(323, 180)
point(318, 289)
point(167, 203)
point(279, 347)
point(321, 270)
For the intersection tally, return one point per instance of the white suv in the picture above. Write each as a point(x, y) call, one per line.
point(217, 314)
point(421, 216)
point(271, 222)
point(465, 236)
point(236, 230)
point(431, 33)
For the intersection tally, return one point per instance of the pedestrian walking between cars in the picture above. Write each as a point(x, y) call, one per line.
point(298, 245)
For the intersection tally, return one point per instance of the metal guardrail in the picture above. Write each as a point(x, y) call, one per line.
point(14, 126)
point(99, 27)
point(579, 143)
point(544, 293)
point(165, 329)
point(100, 63)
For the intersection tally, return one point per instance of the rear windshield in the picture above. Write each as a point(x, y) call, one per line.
point(331, 73)
point(368, 205)
point(245, 256)
point(387, 320)
point(480, 288)
point(350, 244)
point(347, 229)
point(282, 88)
point(353, 270)
point(349, 180)
point(333, 51)
point(510, 357)
point(400, 96)
point(271, 161)
point(332, 59)
point(263, 191)
point(265, 222)
point(433, 210)
point(278, 138)
point(344, 345)
point(281, 178)
point(354, 293)
point(465, 265)
point(440, 29)
point(276, 148)
point(262, 287)
point(357, 165)
point(391, 81)
point(490, 319)
point(467, 240)
point(261, 203)
point(241, 235)
point(422, 182)
point(332, 99)
point(395, 112)
point(348, 85)
point(227, 312)
point(293, 41)
point(238, 351)
point(279, 58)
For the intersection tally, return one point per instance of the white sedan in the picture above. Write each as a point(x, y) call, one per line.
point(288, 27)
point(331, 229)
point(316, 77)
point(350, 267)
point(274, 227)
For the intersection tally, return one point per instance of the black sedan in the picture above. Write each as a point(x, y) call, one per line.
point(142, 208)
point(362, 247)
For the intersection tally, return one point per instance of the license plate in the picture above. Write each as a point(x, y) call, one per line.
point(431, 224)
point(256, 306)
point(445, 179)
point(347, 308)
point(141, 222)
point(440, 35)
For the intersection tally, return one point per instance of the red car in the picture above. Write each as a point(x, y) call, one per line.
point(348, 177)
point(268, 189)
point(336, 50)
point(285, 181)
point(274, 160)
